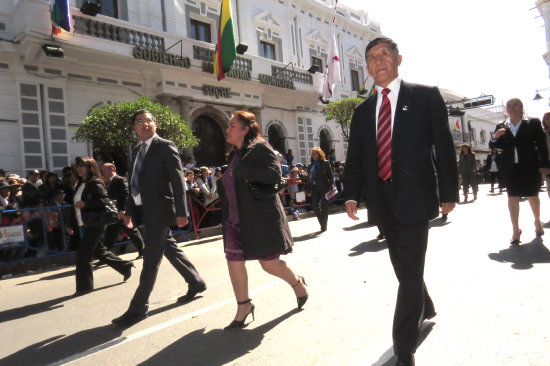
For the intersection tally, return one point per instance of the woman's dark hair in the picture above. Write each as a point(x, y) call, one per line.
point(319, 151)
point(49, 175)
point(248, 119)
point(544, 125)
point(91, 167)
point(469, 150)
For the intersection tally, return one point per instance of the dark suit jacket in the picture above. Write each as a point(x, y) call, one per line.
point(530, 143)
point(420, 181)
point(118, 190)
point(324, 176)
point(93, 196)
point(161, 184)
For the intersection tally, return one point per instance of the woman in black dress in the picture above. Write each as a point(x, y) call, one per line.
point(252, 228)
point(524, 157)
point(88, 201)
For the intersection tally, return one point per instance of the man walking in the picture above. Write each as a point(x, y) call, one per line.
point(117, 189)
point(390, 165)
point(157, 199)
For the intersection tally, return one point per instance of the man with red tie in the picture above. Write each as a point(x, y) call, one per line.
point(401, 162)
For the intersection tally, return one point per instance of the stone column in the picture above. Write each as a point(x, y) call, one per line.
point(185, 106)
point(165, 99)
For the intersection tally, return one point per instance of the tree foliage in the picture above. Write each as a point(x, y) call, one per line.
point(109, 128)
point(341, 111)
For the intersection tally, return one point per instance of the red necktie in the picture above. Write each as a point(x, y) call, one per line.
point(384, 137)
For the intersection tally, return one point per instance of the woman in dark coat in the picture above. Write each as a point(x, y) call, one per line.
point(320, 182)
point(253, 229)
point(467, 168)
point(88, 201)
point(524, 157)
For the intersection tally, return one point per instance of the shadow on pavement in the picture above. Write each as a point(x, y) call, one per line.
point(362, 225)
point(438, 222)
point(50, 277)
point(306, 236)
point(60, 347)
point(388, 358)
point(32, 309)
point(370, 246)
point(202, 241)
point(216, 347)
point(523, 256)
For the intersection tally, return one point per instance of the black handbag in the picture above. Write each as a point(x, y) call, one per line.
point(262, 191)
point(106, 216)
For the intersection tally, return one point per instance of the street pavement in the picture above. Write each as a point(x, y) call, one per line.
point(492, 301)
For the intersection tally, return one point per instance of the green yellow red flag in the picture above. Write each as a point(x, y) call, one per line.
point(225, 49)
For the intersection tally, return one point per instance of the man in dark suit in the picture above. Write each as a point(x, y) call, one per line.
point(117, 189)
point(394, 137)
point(157, 199)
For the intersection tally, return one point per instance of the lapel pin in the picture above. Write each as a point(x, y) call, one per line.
point(405, 107)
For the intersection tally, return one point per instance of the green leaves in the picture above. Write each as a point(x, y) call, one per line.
point(110, 127)
point(341, 111)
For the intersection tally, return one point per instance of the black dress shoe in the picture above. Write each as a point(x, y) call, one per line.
point(405, 360)
point(128, 272)
point(194, 289)
point(380, 236)
point(82, 292)
point(128, 319)
point(429, 314)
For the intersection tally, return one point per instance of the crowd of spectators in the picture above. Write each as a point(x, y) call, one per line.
point(42, 201)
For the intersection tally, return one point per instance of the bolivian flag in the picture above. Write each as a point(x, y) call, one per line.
point(225, 49)
point(60, 16)
point(457, 125)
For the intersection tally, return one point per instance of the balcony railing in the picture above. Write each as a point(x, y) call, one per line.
point(112, 32)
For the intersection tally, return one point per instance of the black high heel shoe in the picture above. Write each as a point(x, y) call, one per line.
point(240, 323)
point(302, 299)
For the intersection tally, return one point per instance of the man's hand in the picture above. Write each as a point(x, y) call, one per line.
point(447, 207)
point(128, 221)
point(121, 214)
point(351, 209)
point(500, 132)
point(181, 221)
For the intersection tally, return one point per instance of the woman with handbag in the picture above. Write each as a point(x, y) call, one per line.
point(320, 182)
point(90, 209)
point(253, 217)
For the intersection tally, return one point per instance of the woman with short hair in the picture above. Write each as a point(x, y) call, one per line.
point(320, 182)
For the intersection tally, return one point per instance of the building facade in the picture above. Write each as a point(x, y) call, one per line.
point(164, 50)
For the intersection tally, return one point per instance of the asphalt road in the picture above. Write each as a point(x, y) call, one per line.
point(492, 301)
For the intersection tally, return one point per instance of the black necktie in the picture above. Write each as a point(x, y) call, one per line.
point(137, 168)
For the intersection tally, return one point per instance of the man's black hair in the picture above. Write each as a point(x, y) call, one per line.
point(379, 40)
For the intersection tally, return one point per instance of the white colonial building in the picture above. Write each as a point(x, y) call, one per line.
point(163, 50)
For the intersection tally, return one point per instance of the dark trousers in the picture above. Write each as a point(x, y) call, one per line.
point(494, 178)
point(319, 204)
point(158, 242)
point(407, 245)
point(89, 244)
point(112, 231)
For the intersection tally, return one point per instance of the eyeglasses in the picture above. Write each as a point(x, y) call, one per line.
point(142, 122)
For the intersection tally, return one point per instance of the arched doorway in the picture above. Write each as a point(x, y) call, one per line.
point(276, 138)
point(325, 141)
point(211, 149)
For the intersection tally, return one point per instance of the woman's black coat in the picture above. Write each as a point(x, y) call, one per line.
point(263, 223)
point(94, 196)
point(323, 182)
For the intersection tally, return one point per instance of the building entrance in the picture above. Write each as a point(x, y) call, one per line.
point(211, 149)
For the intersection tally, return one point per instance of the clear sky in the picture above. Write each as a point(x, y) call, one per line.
point(472, 47)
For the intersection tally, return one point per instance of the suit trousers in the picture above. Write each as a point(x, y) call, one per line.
point(89, 244)
point(159, 241)
point(407, 244)
point(319, 204)
point(112, 231)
